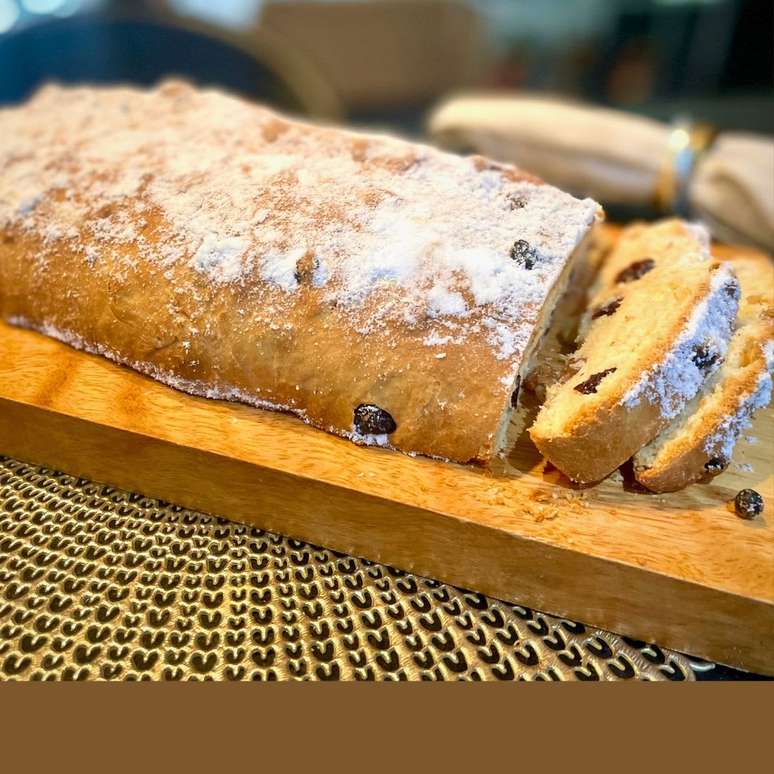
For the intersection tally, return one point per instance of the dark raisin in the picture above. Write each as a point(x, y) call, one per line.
point(523, 253)
point(606, 309)
point(715, 465)
point(591, 384)
point(635, 270)
point(305, 268)
point(732, 289)
point(515, 393)
point(704, 358)
point(748, 504)
point(517, 202)
point(372, 420)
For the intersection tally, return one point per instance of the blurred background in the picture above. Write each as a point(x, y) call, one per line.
point(387, 61)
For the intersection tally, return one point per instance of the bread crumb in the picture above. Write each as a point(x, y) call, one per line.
point(552, 503)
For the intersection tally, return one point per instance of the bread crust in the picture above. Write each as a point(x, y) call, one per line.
point(251, 327)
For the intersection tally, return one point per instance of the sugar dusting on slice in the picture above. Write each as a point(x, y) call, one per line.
point(676, 379)
point(723, 439)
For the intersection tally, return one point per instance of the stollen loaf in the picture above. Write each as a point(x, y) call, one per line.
point(377, 289)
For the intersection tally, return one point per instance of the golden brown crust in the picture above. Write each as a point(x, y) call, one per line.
point(216, 315)
point(134, 320)
point(599, 442)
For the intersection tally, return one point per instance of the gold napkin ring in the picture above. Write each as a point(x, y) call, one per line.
point(686, 143)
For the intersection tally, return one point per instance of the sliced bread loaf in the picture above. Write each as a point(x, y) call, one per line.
point(658, 325)
point(699, 443)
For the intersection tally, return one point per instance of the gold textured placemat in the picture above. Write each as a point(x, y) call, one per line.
point(98, 583)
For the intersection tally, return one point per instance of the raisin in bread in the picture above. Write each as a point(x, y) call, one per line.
point(378, 289)
point(699, 443)
point(658, 325)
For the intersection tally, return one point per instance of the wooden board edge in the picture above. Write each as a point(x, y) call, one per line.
point(612, 595)
point(698, 539)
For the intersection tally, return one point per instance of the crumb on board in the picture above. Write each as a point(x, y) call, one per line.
point(541, 504)
point(545, 514)
point(552, 503)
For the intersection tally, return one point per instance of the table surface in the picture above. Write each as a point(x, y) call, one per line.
point(98, 583)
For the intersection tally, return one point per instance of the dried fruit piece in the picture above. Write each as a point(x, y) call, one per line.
point(605, 310)
point(591, 384)
point(716, 465)
point(372, 420)
point(635, 270)
point(732, 289)
point(704, 357)
point(523, 253)
point(306, 267)
point(748, 504)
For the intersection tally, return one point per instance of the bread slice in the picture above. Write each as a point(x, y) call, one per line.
point(376, 288)
point(659, 323)
point(699, 443)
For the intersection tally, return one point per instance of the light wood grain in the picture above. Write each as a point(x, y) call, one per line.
point(680, 569)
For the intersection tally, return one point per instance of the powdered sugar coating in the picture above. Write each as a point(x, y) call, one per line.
point(722, 441)
point(436, 245)
point(676, 379)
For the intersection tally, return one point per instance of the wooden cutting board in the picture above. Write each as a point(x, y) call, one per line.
point(680, 570)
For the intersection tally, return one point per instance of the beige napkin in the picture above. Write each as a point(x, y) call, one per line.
point(617, 158)
point(732, 190)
